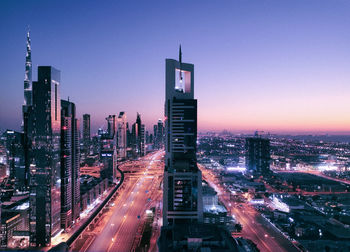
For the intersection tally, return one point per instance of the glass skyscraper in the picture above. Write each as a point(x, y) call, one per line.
point(44, 129)
point(121, 135)
point(86, 134)
point(70, 164)
point(26, 108)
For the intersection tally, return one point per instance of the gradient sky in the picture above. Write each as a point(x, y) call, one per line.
point(279, 66)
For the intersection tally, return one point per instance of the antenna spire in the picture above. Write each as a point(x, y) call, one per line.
point(180, 55)
point(180, 61)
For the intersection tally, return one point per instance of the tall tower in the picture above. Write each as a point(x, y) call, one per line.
point(138, 132)
point(159, 134)
point(70, 184)
point(182, 195)
point(111, 125)
point(86, 133)
point(44, 130)
point(121, 135)
point(28, 74)
point(27, 105)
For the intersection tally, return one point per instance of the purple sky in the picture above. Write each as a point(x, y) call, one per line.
point(280, 66)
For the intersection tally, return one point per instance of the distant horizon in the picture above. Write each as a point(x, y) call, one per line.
point(281, 133)
point(235, 132)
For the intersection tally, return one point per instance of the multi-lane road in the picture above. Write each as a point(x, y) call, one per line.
point(259, 230)
point(120, 229)
point(255, 226)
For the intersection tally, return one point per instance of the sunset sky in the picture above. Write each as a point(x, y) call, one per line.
point(278, 66)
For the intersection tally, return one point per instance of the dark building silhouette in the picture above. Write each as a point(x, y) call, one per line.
point(16, 158)
point(183, 228)
point(182, 196)
point(159, 134)
point(111, 125)
point(142, 141)
point(70, 164)
point(86, 134)
point(26, 108)
point(128, 136)
point(138, 137)
point(134, 137)
point(155, 135)
point(44, 130)
point(108, 149)
point(258, 155)
point(121, 135)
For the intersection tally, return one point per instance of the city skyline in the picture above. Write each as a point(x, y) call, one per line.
point(122, 139)
point(278, 67)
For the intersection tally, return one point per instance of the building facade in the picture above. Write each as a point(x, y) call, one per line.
point(70, 161)
point(86, 134)
point(121, 136)
point(26, 108)
point(182, 194)
point(258, 155)
point(16, 158)
point(159, 135)
point(44, 130)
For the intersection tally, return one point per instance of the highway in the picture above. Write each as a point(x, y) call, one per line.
point(259, 230)
point(119, 228)
point(64, 236)
point(255, 226)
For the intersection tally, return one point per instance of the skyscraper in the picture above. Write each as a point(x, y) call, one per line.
point(159, 131)
point(27, 106)
point(142, 140)
point(111, 126)
point(182, 195)
point(44, 130)
point(28, 74)
point(258, 155)
point(134, 138)
point(86, 133)
point(108, 150)
point(15, 158)
point(138, 135)
point(70, 184)
point(121, 136)
point(155, 136)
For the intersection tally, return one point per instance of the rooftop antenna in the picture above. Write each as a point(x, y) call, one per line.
point(180, 60)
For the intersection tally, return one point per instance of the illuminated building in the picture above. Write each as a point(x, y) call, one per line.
point(155, 135)
point(258, 155)
point(14, 220)
point(182, 195)
point(86, 134)
point(142, 140)
point(134, 138)
point(138, 136)
point(26, 108)
point(45, 176)
point(121, 135)
point(70, 184)
point(158, 134)
point(108, 150)
point(111, 125)
point(15, 158)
